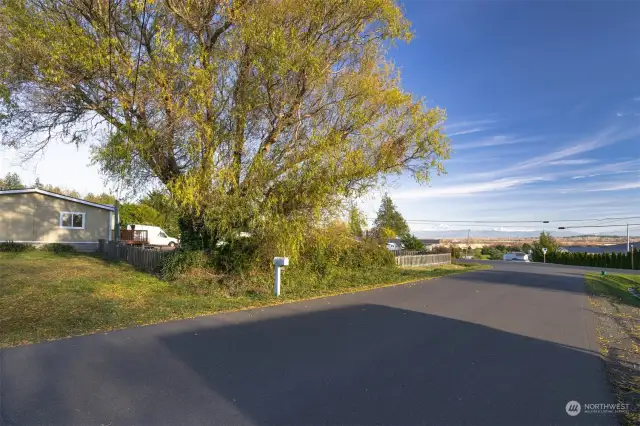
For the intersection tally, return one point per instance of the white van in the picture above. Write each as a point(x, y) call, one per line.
point(156, 236)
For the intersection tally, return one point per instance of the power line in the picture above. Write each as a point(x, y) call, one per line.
point(518, 221)
point(600, 226)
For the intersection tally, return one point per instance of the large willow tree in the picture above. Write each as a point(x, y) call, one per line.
point(255, 115)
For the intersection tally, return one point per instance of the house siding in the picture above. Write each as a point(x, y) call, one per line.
point(17, 214)
point(35, 217)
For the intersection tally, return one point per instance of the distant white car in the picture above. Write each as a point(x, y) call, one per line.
point(392, 246)
point(518, 256)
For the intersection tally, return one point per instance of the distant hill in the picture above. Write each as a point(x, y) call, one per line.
point(508, 233)
point(455, 234)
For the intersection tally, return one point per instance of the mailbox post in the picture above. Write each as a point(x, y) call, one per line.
point(278, 262)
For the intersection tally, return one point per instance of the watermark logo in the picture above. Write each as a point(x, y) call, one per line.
point(573, 408)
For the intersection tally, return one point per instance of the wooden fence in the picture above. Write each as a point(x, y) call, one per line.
point(147, 259)
point(424, 260)
point(409, 252)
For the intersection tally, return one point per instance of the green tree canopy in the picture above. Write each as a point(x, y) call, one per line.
point(390, 218)
point(544, 241)
point(102, 198)
point(411, 242)
point(547, 241)
point(257, 115)
point(11, 181)
point(357, 221)
point(58, 190)
point(167, 212)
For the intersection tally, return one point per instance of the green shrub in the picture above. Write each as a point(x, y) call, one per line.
point(245, 262)
point(12, 247)
point(58, 248)
point(441, 250)
point(495, 254)
point(181, 261)
point(235, 256)
point(602, 260)
point(330, 248)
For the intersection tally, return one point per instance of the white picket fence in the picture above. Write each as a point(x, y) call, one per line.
point(424, 260)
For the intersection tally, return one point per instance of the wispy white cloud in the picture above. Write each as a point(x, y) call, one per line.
point(586, 176)
point(616, 187)
point(503, 229)
point(468, 127)
point(466, 189)
point(604, 138)
point(471, 159)
point(496, 140)
point(621, 167)
point(637, 99)
point(576, 162)
point(469, 131)
point(467, 124)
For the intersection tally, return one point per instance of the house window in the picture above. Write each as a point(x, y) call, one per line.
point(72, 220)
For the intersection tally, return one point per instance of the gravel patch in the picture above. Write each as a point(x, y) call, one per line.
point(618, 328)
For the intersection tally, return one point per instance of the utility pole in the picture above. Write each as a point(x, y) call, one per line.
point(627, 237)
point(116, 228)
point(467, 247)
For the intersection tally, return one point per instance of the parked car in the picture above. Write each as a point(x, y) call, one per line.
point(517, 256)
point(393, 246)
point(156, 236)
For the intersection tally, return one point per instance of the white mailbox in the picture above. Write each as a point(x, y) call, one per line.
point(278, 263)
point(281, 261)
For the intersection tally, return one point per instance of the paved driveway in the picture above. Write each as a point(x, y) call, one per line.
point(508, 346)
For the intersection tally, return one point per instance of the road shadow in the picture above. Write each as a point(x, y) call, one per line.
point(356, 365)
point(372, 364)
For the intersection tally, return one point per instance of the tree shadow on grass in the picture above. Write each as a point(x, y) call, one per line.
point(358, 364)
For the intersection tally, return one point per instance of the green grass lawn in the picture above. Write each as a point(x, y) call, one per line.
point(614, 285)
point(46, 296)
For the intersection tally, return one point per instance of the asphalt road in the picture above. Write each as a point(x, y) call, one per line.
point(508, 346)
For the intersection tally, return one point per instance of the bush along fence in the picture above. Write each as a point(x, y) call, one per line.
point(601, 260)
point(424, 260)
point(147, 259)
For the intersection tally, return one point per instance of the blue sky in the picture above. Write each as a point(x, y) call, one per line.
point(543, 105)
point(543, 100)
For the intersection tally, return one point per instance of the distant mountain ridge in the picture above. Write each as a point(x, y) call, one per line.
point(462, 233)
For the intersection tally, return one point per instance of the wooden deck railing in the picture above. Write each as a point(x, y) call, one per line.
point(134, 237)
